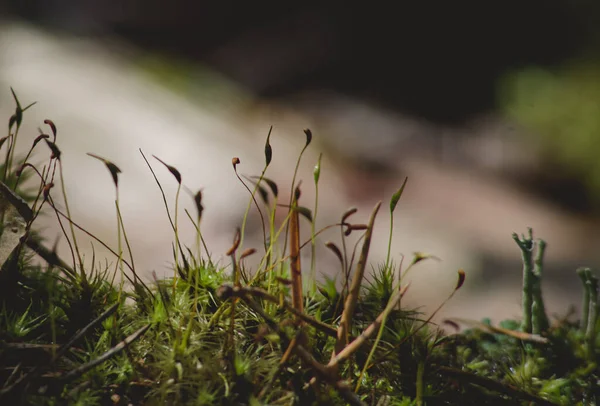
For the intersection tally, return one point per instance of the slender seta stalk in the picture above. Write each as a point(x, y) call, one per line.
point(393, 203)
point(313, 241)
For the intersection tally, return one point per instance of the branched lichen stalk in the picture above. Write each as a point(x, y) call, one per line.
point(585, 306)
point(540, 320)
point(526, 246)
point(590, 334)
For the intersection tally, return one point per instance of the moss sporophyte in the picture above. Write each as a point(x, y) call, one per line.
point(219, 333)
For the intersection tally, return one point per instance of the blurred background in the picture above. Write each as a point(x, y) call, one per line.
point(491, 110)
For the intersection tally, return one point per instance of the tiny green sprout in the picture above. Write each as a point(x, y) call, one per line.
point(317, 170)
point(313, 255)
point(393, 203)
point(396, 196)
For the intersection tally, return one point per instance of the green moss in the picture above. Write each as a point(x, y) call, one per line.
point(211, 335)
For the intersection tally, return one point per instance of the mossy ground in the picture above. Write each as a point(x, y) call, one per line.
point(219, 334)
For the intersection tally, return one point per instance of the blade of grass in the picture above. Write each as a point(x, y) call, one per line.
point(106, 356)
point(392, 303)
point(257, 292)
point(351, 300)
point(295, 265)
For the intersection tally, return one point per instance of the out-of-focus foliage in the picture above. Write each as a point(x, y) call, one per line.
point(562, 108)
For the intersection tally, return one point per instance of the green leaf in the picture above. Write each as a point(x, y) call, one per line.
point(317, 170)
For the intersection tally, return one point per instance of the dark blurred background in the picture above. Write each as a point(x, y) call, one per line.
point(435, 60)
point(464, 73)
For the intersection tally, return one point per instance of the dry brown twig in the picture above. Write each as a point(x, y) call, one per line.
point(343, 350)
point(295, 266)
point(227, 291)
point(351, 300)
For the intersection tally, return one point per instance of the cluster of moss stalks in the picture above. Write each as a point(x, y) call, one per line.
point(73, 332)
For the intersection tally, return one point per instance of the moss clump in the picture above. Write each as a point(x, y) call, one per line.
point(211, 334)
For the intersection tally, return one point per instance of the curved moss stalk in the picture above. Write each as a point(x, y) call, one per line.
point(15, 119)
point(313, 252)
point(114, 172)
point(393, 203)
point(73, 236)
point(308, 135)
point(235, 161)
